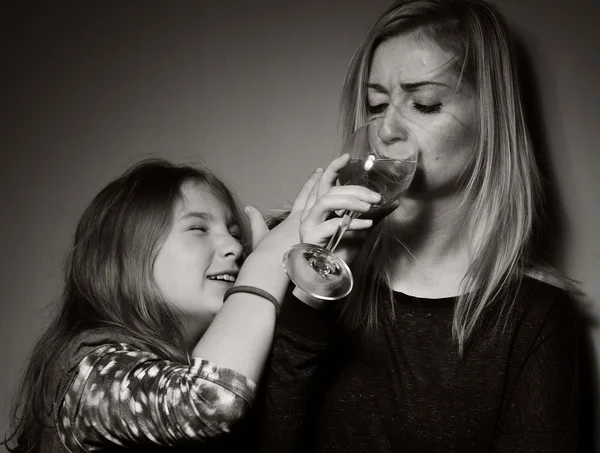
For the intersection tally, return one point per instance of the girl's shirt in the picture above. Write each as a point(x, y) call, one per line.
point(119, 395)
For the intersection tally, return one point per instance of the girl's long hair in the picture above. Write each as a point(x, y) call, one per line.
point(108, 281)
point(502, 184)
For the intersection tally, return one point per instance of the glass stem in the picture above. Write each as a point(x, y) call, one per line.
point(341, 229)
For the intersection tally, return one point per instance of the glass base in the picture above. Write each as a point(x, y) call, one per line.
point(318, 272)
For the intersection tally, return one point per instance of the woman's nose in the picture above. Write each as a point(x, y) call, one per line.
point(392, 128)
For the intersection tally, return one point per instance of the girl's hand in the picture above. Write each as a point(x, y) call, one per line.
point(286, 234)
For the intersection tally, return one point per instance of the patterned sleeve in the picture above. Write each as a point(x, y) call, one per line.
point(121, 396)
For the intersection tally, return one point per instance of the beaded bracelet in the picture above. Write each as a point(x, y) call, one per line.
point(253, 290)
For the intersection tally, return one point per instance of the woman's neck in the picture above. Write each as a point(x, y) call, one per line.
point(432, 255)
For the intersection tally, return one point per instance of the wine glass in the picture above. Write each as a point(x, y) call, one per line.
point(384, 166)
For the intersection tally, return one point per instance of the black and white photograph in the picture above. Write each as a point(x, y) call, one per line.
point(319, 226)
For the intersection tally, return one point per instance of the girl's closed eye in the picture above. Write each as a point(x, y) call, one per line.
point(236, 234)
point(199, 228)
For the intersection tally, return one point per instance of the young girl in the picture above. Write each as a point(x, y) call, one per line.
point(143, 352)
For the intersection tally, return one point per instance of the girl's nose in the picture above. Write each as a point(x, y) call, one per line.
point(230, 246)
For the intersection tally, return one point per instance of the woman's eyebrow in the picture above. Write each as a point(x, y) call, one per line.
point(408, 86)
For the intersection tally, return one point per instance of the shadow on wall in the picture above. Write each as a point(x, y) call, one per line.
point(549, 244)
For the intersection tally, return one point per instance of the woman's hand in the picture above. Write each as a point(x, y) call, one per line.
point(310, 219)
point(325, 199)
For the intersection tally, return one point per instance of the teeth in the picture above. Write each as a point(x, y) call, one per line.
point(226, 277)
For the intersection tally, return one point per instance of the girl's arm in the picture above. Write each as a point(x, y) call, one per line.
point(241, 334)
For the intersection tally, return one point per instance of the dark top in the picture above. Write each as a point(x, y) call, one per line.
point(404, 387)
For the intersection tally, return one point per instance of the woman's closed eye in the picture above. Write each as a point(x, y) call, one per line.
point(427, 109)
point(376, 109)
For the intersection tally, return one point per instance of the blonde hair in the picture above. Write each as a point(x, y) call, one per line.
point(503, 184)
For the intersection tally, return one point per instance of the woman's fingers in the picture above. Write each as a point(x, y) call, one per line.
point(327, 229)
point(309, 186)
point(331, 174)
point(310, 202)
point(357, 191)
point(322, 210)
point(354, 198)
point(321, 233)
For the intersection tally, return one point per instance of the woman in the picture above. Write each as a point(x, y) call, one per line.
point(143, 353)
point(454, 337)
